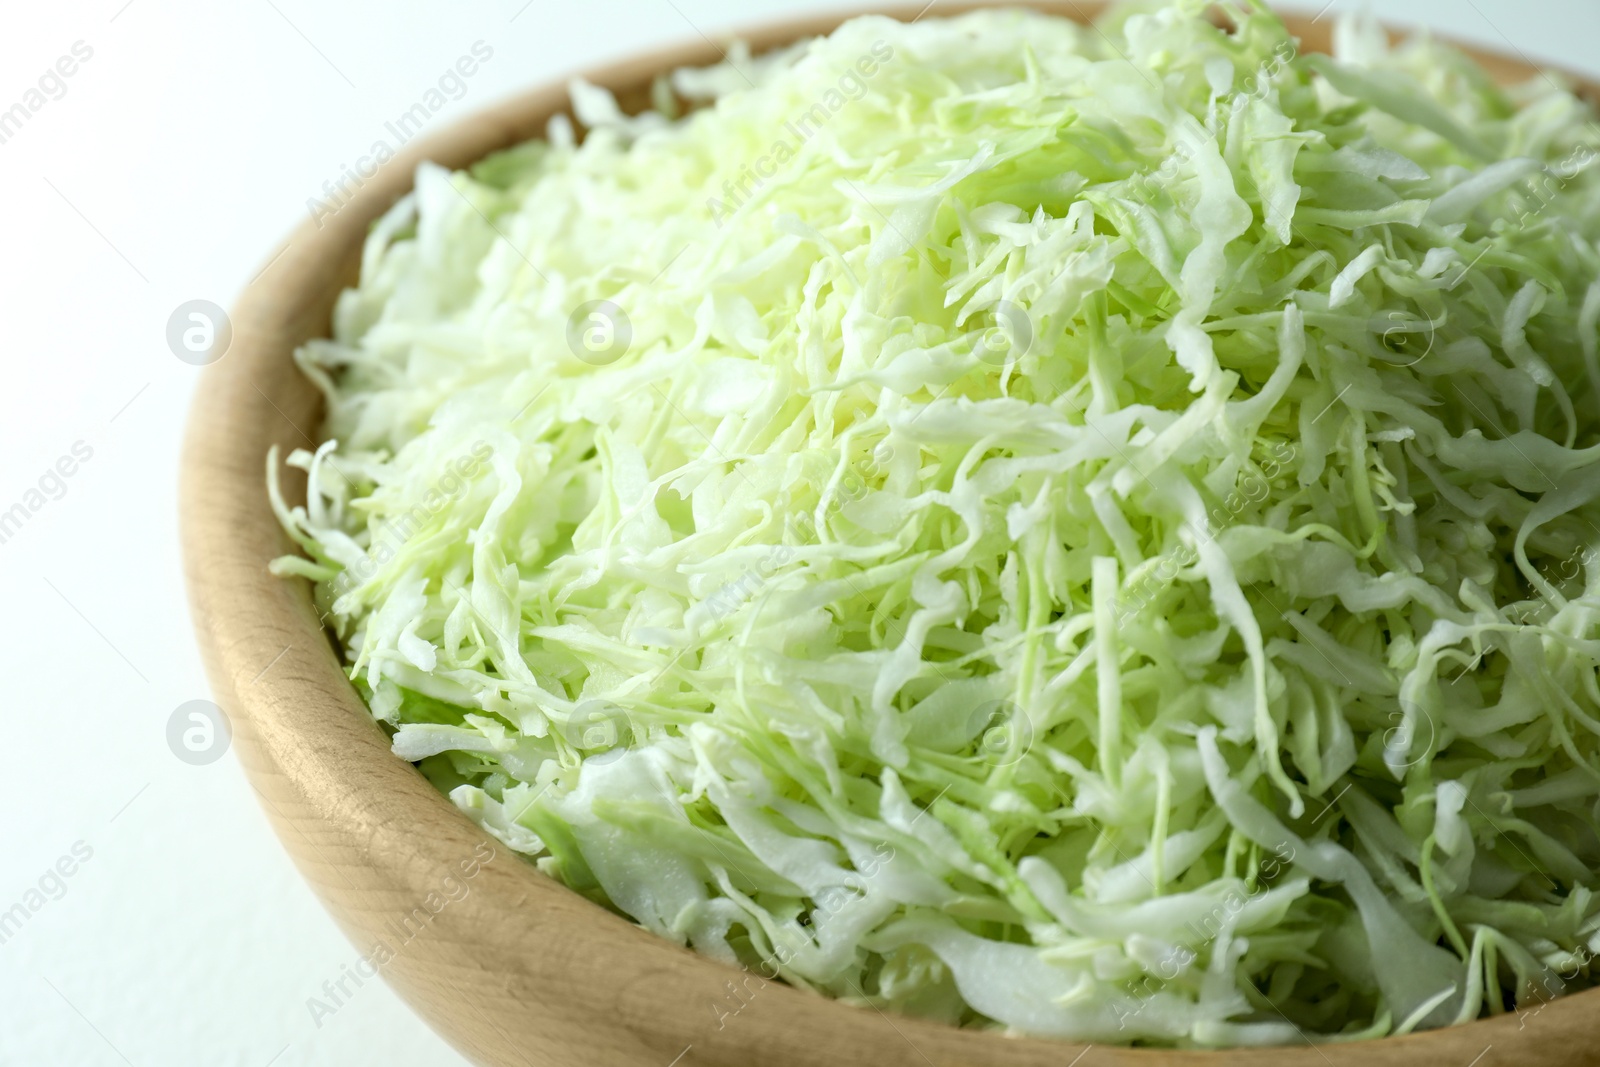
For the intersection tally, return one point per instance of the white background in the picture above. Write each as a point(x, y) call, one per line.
point(181, 153)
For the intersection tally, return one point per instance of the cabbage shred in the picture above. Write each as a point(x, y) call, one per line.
point(1089, 532)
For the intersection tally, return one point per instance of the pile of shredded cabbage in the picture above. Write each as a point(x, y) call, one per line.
point(1092, 532)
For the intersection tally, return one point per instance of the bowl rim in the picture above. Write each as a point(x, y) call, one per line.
point(511, 967)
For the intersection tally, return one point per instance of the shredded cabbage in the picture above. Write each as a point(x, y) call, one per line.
point(1091, 532)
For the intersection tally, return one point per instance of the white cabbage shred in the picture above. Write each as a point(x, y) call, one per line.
point(1089, 532)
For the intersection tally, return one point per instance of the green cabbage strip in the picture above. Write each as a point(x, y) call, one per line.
point(1091, 532)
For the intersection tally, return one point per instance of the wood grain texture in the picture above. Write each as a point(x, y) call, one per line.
point(520, 971)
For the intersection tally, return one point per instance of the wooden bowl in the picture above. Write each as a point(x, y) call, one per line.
point(519, 970)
